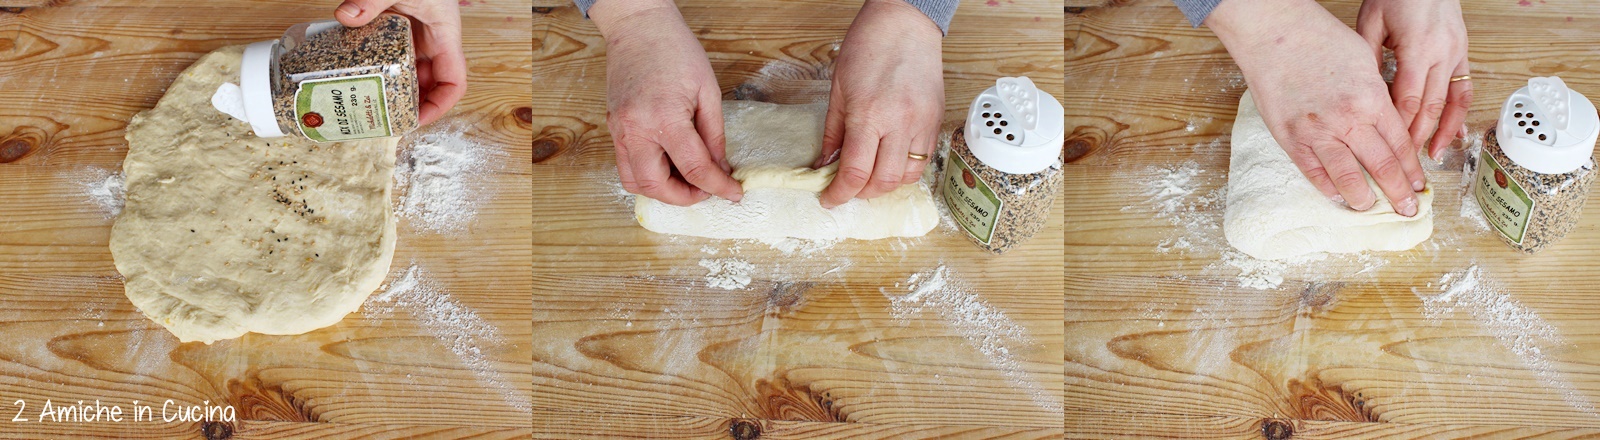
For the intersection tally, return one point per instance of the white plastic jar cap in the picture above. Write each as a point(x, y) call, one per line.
point(1016, 128)
point(1547, 127)
point(255, 78)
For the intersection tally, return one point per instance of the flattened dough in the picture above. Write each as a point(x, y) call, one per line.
point(770, 148)
point(1274, 213)
point(225, 233)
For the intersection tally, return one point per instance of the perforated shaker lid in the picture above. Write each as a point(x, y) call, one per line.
point(255, 78)
point(1016, 128)
point(1547, 127)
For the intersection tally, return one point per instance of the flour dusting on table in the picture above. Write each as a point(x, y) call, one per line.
point(727, 273)
point(1517, 328)
point(442, 179)
point(985, 328)
point(1176, 195)
point(453, 324)
point(102, 188)
point(1192, 201)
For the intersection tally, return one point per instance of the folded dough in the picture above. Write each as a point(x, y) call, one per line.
point(770, 148)
point(1274, 213)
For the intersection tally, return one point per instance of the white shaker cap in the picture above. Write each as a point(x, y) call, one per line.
point(1547, 127)
point(1016, 128)
point(255, 79)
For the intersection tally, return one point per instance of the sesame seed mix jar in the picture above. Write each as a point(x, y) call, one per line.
point(1004, 167)
point(1537, 164)
point(327, 82)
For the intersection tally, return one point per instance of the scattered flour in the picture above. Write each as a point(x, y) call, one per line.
point(727, 273)
point(1175, 196)
point(1192, 201)
point(1256, 274)
point(454, 325)
point(441, 178)
point(985, 328)
point(103, 188)
point(1517, 328)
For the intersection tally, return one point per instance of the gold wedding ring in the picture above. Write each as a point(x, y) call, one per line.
point(1460, 78)
point(915, 156)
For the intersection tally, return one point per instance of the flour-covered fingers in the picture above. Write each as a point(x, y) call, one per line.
point(652, 177)
point(688, 152)
point(708, 122)
point(1452, 121)
point(1305, 158)
point(1344, 171)
point(832, 130)
point(1433, 105)
point(856, 162)
point(924, 147)
point(1379, 160)
point(1402, 148)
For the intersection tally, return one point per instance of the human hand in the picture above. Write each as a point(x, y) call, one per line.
point(441, 64)
point(1321, 94)
point(886, 103)
point(664, 106)
point(1429, 41)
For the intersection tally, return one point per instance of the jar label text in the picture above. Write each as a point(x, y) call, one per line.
point(342, 109)
point(973, 204)
point(1504, 203)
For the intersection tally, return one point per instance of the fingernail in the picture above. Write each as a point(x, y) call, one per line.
point(1416, 185)
point(737, 197)
point(349, 10)
point(1408, 207)
point(826, 160)
point(1339, 199)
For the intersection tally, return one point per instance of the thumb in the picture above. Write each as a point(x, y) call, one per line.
point(354, 13)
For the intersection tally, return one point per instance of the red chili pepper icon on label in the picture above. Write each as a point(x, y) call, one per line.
point(312, 120)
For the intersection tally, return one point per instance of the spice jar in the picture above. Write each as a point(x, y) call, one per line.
point(1537, 164)
point(328, 82)
point(1004, 167)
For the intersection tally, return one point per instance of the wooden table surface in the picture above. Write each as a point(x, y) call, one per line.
point(71, 76)
point(1171, 343)
point(631, 342)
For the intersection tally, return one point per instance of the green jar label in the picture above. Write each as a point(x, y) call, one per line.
point(342, 109)
point(1504, 203)
point(973, 204)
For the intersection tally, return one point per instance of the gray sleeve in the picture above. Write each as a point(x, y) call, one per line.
point(1196, 10)
point(941, 11)
point(583, 6)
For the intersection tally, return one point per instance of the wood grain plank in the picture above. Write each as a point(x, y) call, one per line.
point(579, 425)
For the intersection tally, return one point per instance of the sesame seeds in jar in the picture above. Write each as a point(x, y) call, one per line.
point(327, 82)
point(997, 210)
point(1534, 173)
point(1004, 167)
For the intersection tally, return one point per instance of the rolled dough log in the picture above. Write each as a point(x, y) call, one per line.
point(770, 148)
point(1274, 213)
point(225, 233)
